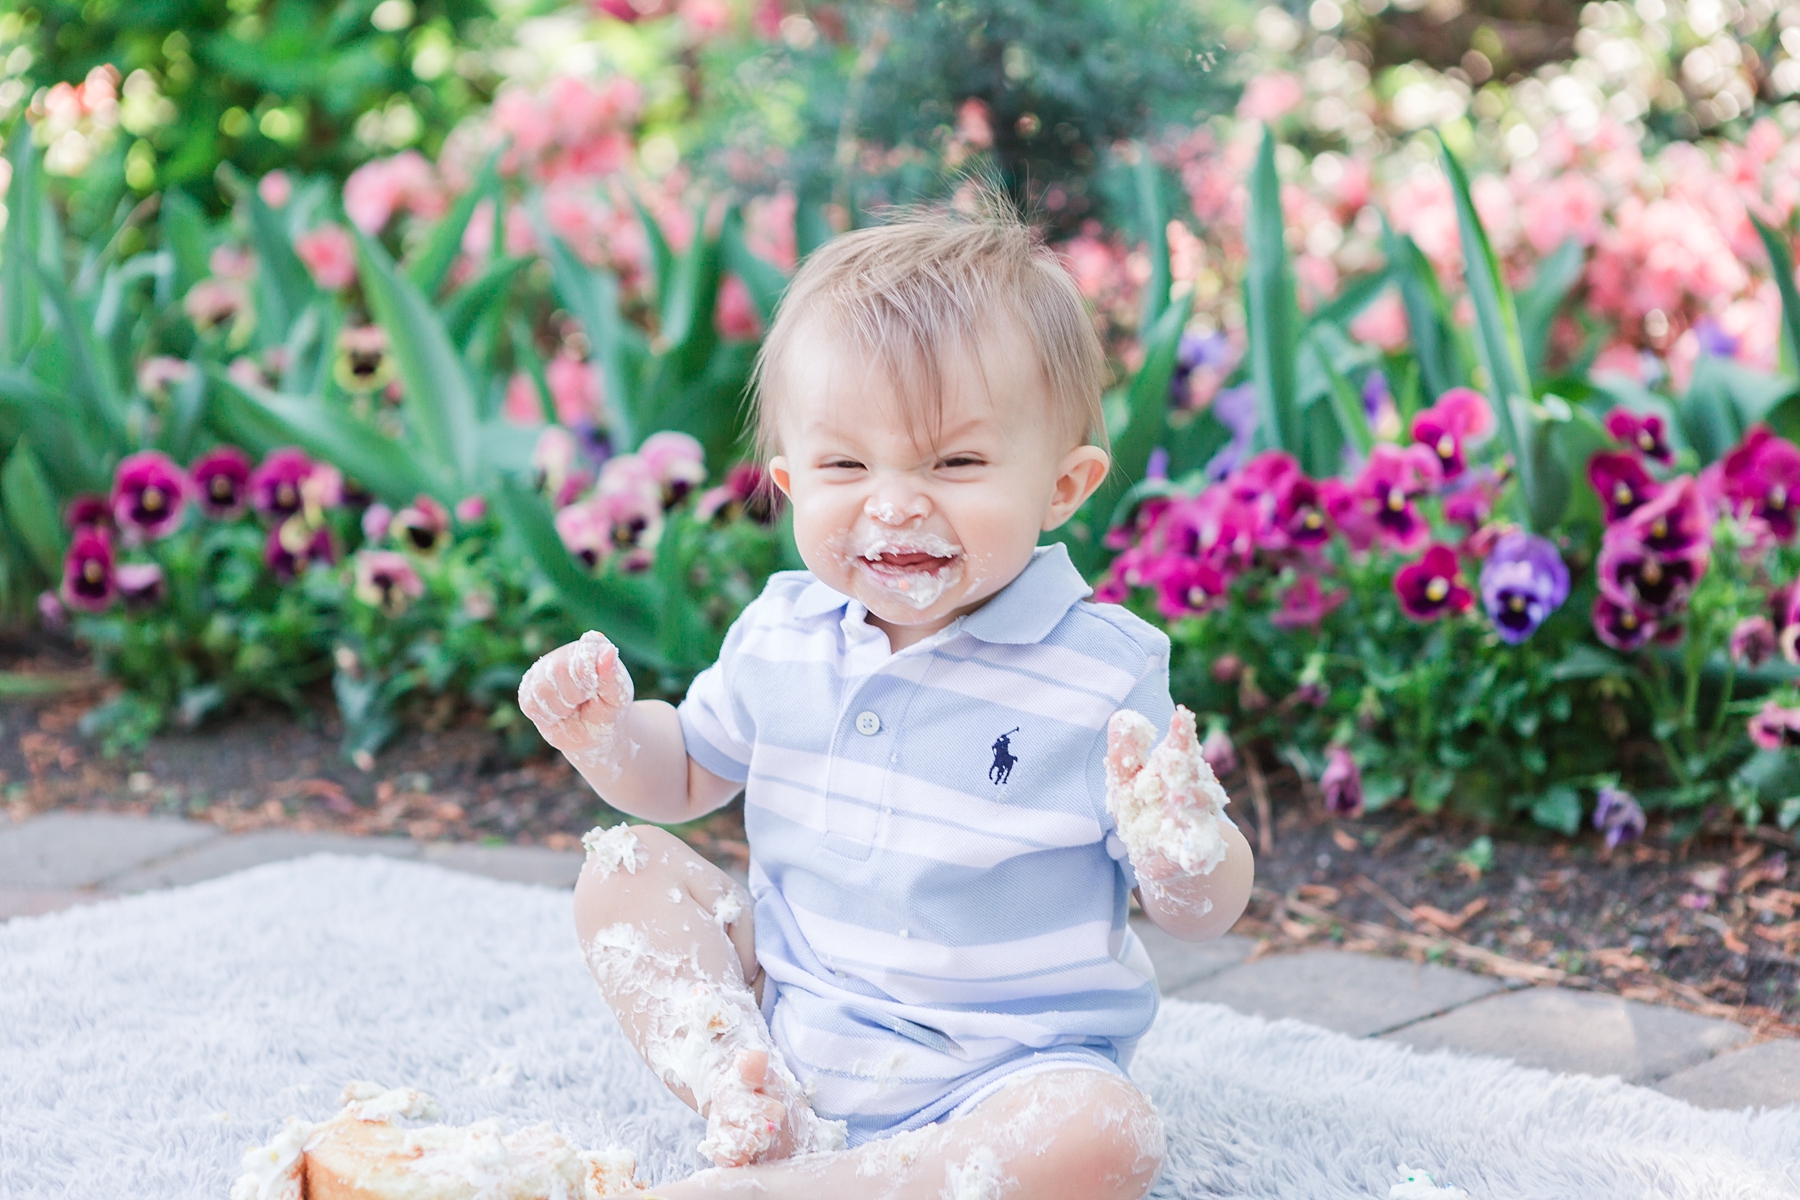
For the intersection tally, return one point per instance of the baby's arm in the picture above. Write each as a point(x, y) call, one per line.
point(1194, 870)
point(631, 753)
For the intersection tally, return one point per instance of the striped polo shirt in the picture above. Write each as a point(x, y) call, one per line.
point(938, 887)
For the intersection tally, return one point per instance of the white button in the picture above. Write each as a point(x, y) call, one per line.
point(868, 724)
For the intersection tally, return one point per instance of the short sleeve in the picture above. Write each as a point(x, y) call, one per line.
point(715, 726)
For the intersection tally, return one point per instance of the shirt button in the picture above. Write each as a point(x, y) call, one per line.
point(868, 724)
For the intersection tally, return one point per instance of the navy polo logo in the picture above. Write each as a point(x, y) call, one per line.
point(1004, 758)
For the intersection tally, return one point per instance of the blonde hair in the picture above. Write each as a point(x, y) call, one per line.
point(926, 285)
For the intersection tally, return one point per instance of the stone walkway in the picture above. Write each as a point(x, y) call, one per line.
point(61, 859)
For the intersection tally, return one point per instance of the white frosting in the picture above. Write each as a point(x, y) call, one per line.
point(979, 1176)
point(1419, 1185)
point(727, 909)
point(586, 732)
point(615, 849)
point(918, 587)
point(272, 1172)
point(1166, 802)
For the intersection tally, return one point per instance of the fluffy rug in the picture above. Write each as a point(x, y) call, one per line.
point(145, 1043)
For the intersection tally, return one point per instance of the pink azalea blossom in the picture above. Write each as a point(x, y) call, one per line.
point(329, 255)
point(276, 188)
point(574, 388)
point(1270, 97)
point(735, 315)
point(522, 405)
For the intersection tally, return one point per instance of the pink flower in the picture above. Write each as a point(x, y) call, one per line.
point(704, 18)
point(1761, 477)
point(222, 482)
point(1643, 432)
point(746, 491)
point(1652, 560)
point(522, 406)
point(1753, 641)
point(1341, 783)
point(1304, 604)
point(141, 585)
point(294, 545)
point(735, 315)
point(276, 189)
point(376, 520)
point(574, 388)
point(377, 190)
point(89, 582)
point(582, 533)
point(231, 261)
point(471, 509)
point(1775, 727)
point(156, 373)
point(275, 484)
point(974, 124)
point(1623, 484)
point(1622, 626)
point(1379, 502)
point(88, 511)
point(387, 581)
point(1432, 586)
point(556, 464)
point(1567, 206)
point(1471, 502)
point(1270, 97)
point(421, 526)
point(631, 474)
point(213, 302)
point(1383, 324)
point(676, 460)
point(150, 494)
point(1219, 752)
point(330, 255)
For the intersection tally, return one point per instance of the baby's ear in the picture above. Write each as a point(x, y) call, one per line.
point(1080, 474)
point(778, 471)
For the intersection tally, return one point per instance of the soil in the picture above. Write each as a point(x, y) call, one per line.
point(1711, 924)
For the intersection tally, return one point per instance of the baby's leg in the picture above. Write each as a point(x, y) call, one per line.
point(1060, 1135)
point(669, 939)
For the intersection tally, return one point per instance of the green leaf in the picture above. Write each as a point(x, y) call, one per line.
point(1559, 808)
point(687, 331)
point(1156, 237)
point(1781, 263)
point(621, 607)
point(96, 385)
point(432, 263)
point(184, 236)
point(1272, 311)
point(56, 425)
point(286, 287)
point(1147, 402)
point(1576, 436)
point(441, 411)
point(263, 420)
point(1497, 327)
point(662, 259)
point(1427, 313)
point(811, 229)
point(1539, 303)
point(763, 279)
point(469, 303)
point(1345, 401)
point(1349, 303)
point(20, 318)
point(31, 508)
point(592, 294)
point(1723, 400)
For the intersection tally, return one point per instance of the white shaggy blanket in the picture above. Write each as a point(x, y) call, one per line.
point(145, 1043)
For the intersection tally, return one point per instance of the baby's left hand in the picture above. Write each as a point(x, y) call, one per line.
point(1166, 802)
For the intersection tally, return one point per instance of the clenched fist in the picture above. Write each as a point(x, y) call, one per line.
point(576, 696)
point(1166, 801)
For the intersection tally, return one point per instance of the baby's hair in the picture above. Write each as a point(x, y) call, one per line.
point(925, 285)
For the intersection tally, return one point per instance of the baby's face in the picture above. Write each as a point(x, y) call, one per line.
point(922, 533)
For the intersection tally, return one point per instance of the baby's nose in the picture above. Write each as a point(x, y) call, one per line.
point(895, 506)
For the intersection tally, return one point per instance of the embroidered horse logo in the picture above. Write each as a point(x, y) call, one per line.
point(1004, 758)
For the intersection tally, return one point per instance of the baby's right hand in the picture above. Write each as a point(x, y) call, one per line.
point(575, 696)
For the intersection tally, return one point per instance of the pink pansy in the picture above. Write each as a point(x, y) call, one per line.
point(150, 494)
point(88, 511)
point(735, 315)
point(1186, 587)
point(294, 545)
point(1761, 477)
point(275, 484)
point(1300, 518)
point(377, 190)
point(222, 482)
point(574, 388)
point(1643, 432)
point(1622, 483)
point(1653, 559)
point(1753, 641)
point(376, 520)
point(1432, 586)
point(629, 474)
point(329, 255)
point(156, 373)
point(747, 491)
point(141, 585)
point(213, 302)
point(422, 526)
point(1304, 604)
point(556, 462)
point(1471, 502)
point(387, 580)
point(677, 461)
point(231, 261)
point(1379, 502)
point(1341, 784)
point(582, 533)
point(471, 509)
point(1776, 727)
point(89, 581)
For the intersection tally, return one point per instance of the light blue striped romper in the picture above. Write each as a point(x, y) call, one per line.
point(940, 899)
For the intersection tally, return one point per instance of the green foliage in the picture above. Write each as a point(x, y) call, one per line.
point(261, 84)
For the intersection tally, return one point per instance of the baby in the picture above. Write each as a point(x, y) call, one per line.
point(949, 765)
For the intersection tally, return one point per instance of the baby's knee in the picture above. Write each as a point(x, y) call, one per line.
point(1115, 1138)
point(624, 864)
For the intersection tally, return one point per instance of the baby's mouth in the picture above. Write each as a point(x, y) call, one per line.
point(917, 567)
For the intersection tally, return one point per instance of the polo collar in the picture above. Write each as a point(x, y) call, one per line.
point(1021, 614)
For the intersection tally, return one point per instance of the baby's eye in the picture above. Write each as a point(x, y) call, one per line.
point(841, 464)
point(961, 460)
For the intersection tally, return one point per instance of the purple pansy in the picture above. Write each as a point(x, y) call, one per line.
point(141, 585)
point(1622, 626)
point(1234, 408)
point(150, 494)
point(1753, 642)
point(1432, 586)
point(1341, 783)
point(1618, 815)
point(1622, 482)
point(89, 581)
point(1762, 475)
point(275, 485)
point(1653, 559)
point(1523, 581)
point(293, 545)
point(222, 482)
point(1646, 433)
point(386, 580)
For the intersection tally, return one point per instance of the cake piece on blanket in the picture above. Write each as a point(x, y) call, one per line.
point(364, 1153)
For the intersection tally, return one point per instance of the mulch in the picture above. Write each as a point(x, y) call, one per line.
point(1711, 924)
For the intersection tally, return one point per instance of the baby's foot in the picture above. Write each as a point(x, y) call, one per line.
point(1166, 802)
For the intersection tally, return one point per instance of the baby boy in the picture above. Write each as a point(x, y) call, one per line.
point(948, 758)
